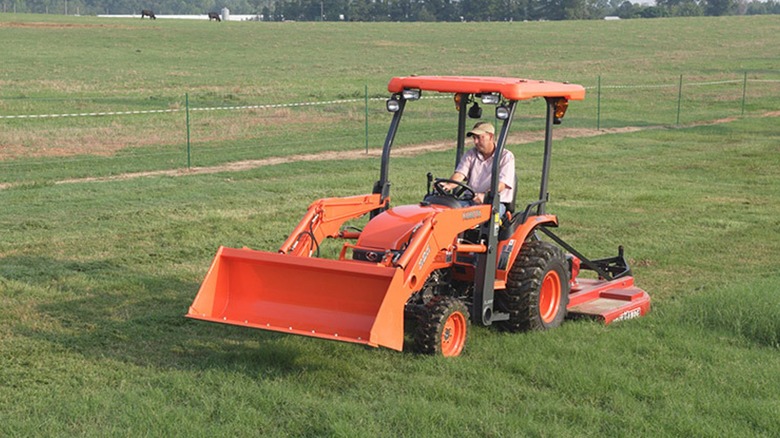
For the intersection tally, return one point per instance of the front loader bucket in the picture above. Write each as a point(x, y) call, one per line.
point(339, 300)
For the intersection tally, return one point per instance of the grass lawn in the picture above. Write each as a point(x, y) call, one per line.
point(633, 70)
point(95, 277)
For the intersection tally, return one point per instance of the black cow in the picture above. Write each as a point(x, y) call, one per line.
point(214, 16)
point(148, 13)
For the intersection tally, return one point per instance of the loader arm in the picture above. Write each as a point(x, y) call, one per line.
point(341, 300)
point(324, 218)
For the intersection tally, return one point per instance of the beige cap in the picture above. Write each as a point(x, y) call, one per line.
point(481, 128)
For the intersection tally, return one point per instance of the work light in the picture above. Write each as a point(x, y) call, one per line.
point(392, 105)
point(411, 94)
point(502, 112)
point(490, 99)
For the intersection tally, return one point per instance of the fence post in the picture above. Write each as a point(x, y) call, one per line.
point(744, 90)
point(598, 105)
point(187, 112)
point(679, 101)
point(366, 94)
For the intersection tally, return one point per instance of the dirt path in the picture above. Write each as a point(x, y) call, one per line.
point(407, 151)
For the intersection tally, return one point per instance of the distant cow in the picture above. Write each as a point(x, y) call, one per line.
point(214, 16)
point(148, 13)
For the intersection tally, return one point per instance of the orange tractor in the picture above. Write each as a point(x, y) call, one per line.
point(420, 274)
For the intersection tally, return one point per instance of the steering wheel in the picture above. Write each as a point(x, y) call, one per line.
point(460, 193)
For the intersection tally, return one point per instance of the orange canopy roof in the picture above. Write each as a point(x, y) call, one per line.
point(510, 88)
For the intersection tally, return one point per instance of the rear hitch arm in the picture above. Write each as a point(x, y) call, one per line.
point(610, 268)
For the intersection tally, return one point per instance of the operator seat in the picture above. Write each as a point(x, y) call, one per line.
point(510, 206)
point(509, 222)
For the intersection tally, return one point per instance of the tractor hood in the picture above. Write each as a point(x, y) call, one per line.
point(392, 229)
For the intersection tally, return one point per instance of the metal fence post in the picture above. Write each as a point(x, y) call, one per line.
point(366, 94)
point(744, 92)
point(598, 105)
point(679, 101)
point(187, 112)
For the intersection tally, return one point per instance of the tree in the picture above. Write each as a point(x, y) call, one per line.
point(627, 10)
point(718, 7)
point(653, 12)
point(574, 10)
point(688, 9)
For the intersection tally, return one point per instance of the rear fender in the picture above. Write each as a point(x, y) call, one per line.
point(509, 248)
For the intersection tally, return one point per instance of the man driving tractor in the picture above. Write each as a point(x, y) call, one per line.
point(477, 164)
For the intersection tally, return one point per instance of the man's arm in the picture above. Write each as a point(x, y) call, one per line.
point(457, 176)
point(479, 198)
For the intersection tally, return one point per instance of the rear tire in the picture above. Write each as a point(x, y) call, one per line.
point(442, 327)
point(537, 292)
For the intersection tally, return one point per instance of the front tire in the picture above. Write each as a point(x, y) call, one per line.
point(537, 292)
point(442, 327)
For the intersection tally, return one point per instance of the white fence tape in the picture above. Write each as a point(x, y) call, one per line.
point(174, 110)
point(334, 102)
point(632, 86)
point(280, 105)
point(696, 84)
point(107, 113)
point(686, 84)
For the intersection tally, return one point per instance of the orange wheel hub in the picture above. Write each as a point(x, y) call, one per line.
point(453, 336)
point(550, 297)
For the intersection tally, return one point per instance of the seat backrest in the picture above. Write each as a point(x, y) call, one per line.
point(511, 206)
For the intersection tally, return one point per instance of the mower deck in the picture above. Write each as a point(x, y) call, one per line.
point(609, 301)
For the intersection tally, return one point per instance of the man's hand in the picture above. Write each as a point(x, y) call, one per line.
point(479, 198)
point(448, 186)
point(457, 176)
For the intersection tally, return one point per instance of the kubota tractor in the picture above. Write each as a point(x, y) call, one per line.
point(426, 270)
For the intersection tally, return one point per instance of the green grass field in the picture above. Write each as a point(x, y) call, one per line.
point(95, 277)
point(75, 65)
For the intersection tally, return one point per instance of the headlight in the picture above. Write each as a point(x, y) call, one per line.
point(502, 112)
point(411, 94)
point(392, 105)
point(490, 99)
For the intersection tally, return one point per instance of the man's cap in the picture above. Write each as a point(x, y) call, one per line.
point(481, 128)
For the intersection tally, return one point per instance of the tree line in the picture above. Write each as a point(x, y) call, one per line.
point(405, 10)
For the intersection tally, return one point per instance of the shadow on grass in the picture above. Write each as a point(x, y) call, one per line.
point(107, 309)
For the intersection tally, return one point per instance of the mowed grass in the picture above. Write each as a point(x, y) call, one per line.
point(124, 58)
point(76, 65)
point(95, 277)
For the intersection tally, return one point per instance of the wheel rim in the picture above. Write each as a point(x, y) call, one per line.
point(550, 297)
point(453, 336)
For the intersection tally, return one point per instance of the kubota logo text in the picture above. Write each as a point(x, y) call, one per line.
point(629, 314)
point(471, 215)
point(424, 257)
